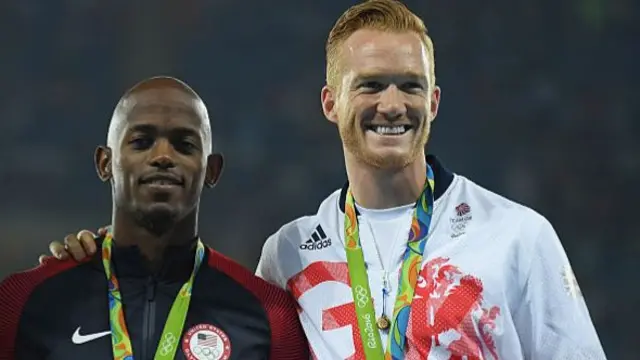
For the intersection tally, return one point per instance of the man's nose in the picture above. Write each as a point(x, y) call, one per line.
point(162, 155)
point(391, 103)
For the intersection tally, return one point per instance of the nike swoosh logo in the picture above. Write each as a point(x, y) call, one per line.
point(78, 339)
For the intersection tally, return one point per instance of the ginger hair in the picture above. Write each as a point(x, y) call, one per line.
point(383, 15)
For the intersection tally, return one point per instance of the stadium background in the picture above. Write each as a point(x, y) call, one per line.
point(539, 104)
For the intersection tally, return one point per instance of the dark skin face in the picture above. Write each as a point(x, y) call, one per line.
point(158, 162)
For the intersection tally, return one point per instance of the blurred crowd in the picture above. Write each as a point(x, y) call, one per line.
point(538, 105)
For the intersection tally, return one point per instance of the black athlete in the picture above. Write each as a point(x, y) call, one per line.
point(153, 291)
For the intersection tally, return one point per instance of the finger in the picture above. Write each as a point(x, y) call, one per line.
point(74, 247)
point(87, 240)
point(103, 230)
point(41, 259)
point(57, 249)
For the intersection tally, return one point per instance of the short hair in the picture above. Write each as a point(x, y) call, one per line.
point(158, 82)
point(383, 15)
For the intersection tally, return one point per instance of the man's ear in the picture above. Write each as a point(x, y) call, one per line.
point(102, 159)
point(215, 165)
point(328, 97)
point(435, 102)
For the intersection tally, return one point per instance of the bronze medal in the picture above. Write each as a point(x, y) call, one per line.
point(383, 322)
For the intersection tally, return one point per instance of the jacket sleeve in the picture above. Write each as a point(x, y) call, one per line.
point(267, 269)
point(288, 341)
point(280, 253)
point(15, 292)
point(553, 320)
point(271, 263)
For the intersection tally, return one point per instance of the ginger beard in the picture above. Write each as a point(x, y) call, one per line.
point(367, 147)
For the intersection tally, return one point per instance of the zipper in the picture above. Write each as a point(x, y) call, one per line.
point(149, 319)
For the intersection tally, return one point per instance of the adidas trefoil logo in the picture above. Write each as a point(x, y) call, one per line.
point(318, 240)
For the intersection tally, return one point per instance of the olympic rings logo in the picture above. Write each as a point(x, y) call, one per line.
point(361, 297)
point(208, 352)
point(168, 344)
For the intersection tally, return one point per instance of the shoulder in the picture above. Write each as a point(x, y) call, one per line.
point(287, 338)
point(492, 208)
point(303, 233)
point(16, 290)
point(17, 287)
point(521, 231)
point(267, 293)
point(292, 233)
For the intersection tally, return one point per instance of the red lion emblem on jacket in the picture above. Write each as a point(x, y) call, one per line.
point(447, 313)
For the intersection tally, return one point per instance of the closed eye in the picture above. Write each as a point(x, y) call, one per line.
point(412, 87)
point(372, 86)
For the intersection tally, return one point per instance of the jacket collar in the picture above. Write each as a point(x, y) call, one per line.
point(443, 178)
point(177, 262)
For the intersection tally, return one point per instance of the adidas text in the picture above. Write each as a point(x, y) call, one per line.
point(316, 245)
point(318, 240)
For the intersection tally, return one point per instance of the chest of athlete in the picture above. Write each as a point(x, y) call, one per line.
point(67, 317)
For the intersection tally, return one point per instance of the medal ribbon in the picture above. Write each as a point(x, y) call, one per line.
point(411, 263)
point(172, 332)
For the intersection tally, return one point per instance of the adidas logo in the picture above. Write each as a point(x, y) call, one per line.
point(318, 241)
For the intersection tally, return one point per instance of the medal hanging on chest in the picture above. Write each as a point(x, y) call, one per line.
point(412, 259)
point(383, 322)
point(120, 339)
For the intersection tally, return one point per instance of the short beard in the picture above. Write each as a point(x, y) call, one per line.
point(157, 222)
point(356, 145)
